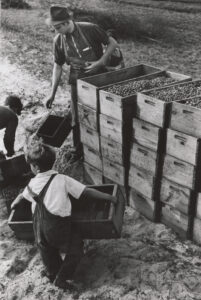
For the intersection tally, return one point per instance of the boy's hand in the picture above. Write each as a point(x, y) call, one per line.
point(113, 199)
point(16, 201)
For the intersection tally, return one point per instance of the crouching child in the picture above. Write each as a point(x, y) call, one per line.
point(49, 194)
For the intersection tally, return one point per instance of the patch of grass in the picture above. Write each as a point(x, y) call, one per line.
point(20, 4)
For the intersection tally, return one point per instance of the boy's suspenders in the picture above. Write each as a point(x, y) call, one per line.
point(43, 191)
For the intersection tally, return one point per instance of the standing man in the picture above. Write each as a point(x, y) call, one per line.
point(9, 121)
point(79, 45)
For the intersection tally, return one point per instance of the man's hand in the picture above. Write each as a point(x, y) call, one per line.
point(49, 102)
point(93, 67)
point(16, 201)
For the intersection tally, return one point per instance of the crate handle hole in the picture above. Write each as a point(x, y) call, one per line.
point(109, 98)
point(85, 87)
point(150, 102)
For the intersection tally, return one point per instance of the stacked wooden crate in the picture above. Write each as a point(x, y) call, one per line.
point(148, 146)
point(88, 90)
point(180, 180)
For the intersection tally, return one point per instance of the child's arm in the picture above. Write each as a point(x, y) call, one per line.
point(17, 201)
point(96, 195)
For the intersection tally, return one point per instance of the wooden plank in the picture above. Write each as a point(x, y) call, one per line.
point(177, 196)
point(198, 206)
point(111, 128)
point(88, 117)
point(197, 231)
point(141, 181)
point(114, 171)
point(112, 150)
point(143, 205)
point(144, 158)
point(179, 171)
point(153, 110)
point(149, 135)
point(186, 118)
point(92, 157)
point(176, 220)
point(182, 146)
point(114, 105)
point(88, 88)
point(92, 175)
point(90, 137)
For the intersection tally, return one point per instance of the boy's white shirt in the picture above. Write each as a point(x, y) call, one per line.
point(56, 199)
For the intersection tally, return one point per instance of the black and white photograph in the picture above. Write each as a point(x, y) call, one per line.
point(100, 150)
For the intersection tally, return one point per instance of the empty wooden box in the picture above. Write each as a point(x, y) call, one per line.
point(94, 219)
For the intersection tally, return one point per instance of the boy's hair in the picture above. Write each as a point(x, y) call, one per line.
point(40, 154)
point(14, 101)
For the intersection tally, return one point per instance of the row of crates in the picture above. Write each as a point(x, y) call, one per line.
point(145, 135)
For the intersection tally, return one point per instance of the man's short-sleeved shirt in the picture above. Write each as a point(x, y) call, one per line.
point(95, 36)
point(56, 199)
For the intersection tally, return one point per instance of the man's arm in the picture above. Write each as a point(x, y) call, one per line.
point(9, 137)
point(112, 45)
point(56, 76)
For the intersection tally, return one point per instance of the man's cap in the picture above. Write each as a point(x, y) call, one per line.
point(58, 14)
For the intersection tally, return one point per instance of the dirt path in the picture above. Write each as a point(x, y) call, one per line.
point(148, 262)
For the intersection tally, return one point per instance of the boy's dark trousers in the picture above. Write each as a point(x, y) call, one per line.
point(54, 234)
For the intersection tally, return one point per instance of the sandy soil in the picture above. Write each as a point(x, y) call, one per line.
point(148, 262)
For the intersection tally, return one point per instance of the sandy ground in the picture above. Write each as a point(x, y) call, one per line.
point(148, 262)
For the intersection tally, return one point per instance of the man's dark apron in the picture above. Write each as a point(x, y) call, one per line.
point(85, 53)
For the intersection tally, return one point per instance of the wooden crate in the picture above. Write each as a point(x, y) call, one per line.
point(179, 171)
point(148, 135)
point(156, 111)
point(179, 197)
point(112, 150)
point(186, 118)
point(92, 157)
point(176, 220)
point(144, 205)
point(88, 88)
point(20, 221)
point(90, 137)
point(122, 105)
point(88, 117)
point(114, 171)
point(143, 182)
point(92, 175)
point(55, 129)
point(183, 146)
point(93, 219)
point(115, 130)
point(144, 158)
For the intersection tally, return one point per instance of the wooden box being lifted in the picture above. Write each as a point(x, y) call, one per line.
point(88, 88)
point(94, 219)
